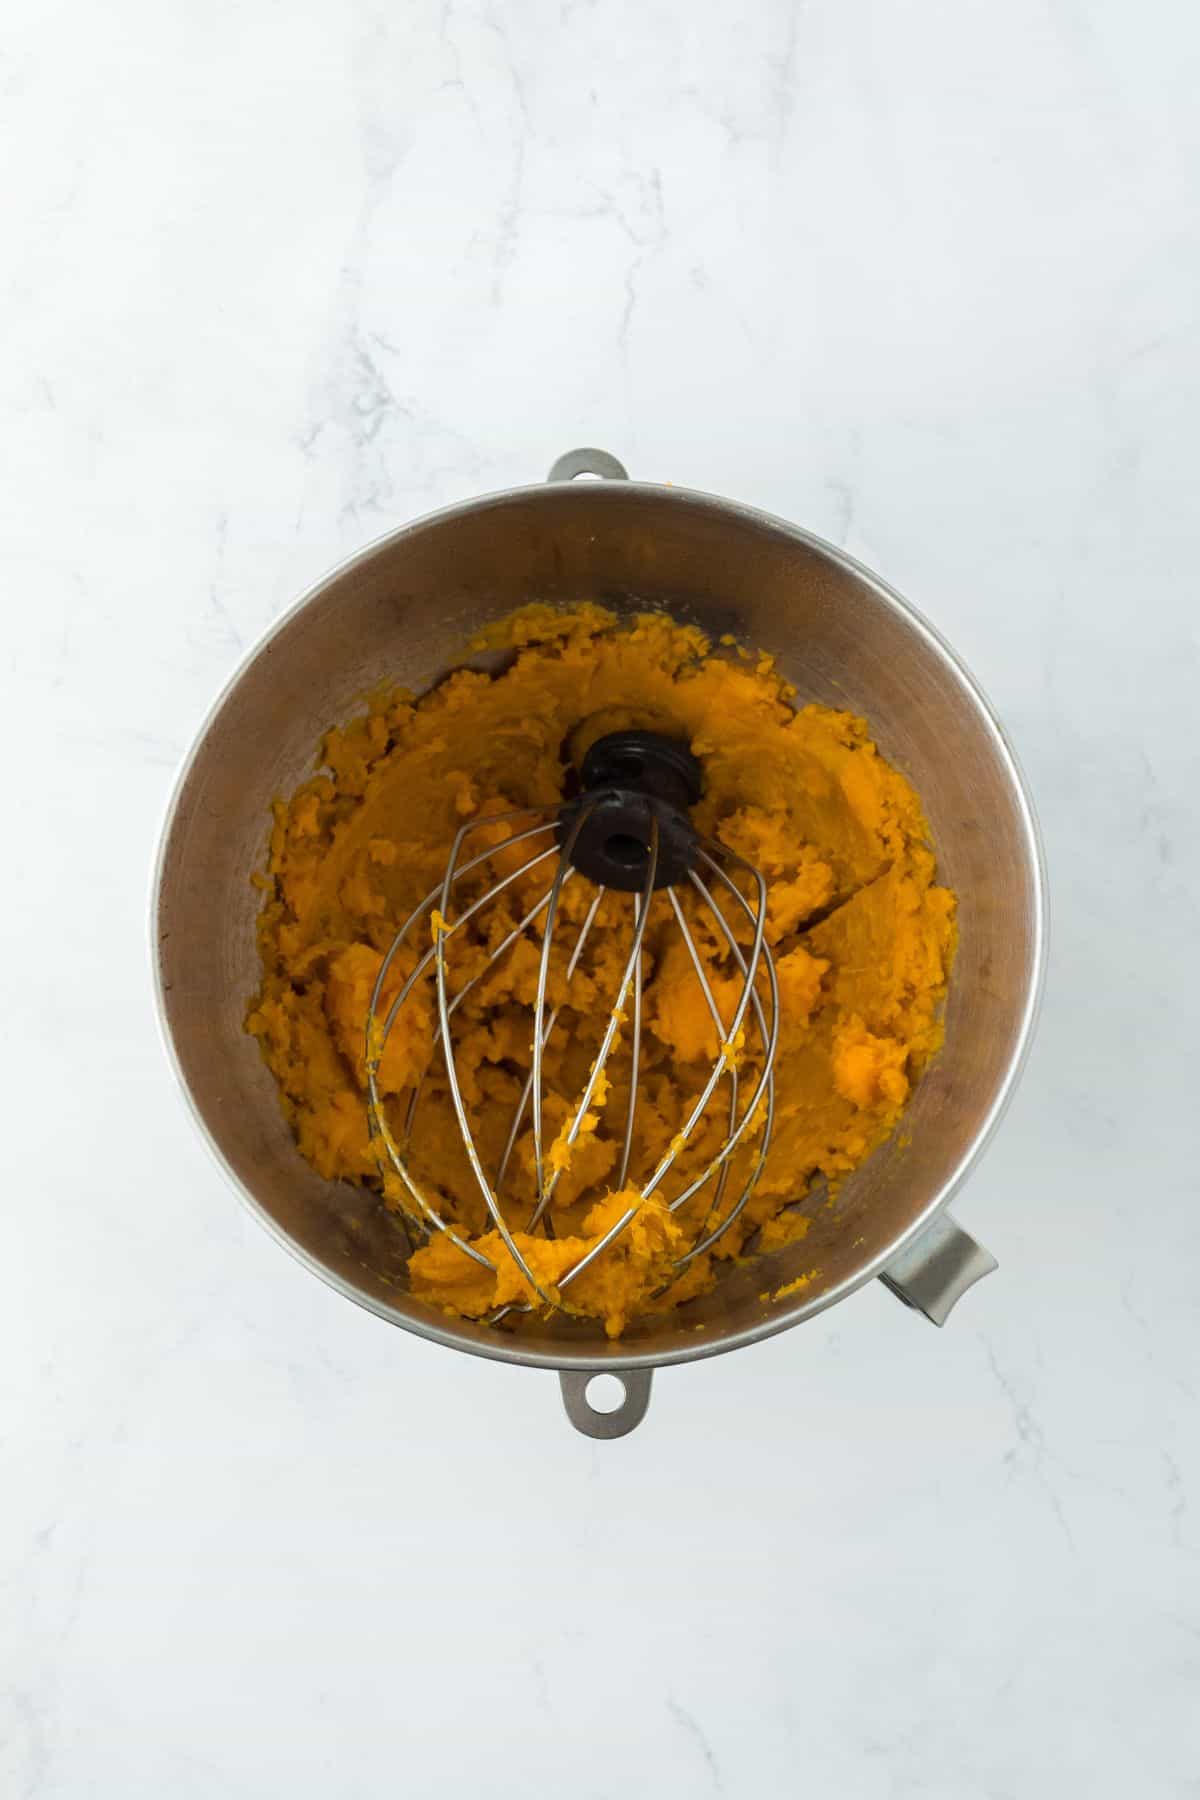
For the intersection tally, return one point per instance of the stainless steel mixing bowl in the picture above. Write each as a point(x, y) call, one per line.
point(403, 609)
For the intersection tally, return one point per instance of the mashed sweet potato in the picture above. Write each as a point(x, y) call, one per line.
point(861, 934)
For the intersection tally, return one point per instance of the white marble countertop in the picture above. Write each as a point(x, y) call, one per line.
point(923, 278)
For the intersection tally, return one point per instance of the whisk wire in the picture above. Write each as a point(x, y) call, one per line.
point(719, 1026)
point(770, 1037)
point(635, 1042)
point(522, 1103)
point(614, 1023)
point(539, 1009)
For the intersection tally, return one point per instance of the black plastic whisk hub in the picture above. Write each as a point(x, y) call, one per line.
point(632, 780)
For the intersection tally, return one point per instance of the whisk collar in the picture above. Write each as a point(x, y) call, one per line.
point(632, 780)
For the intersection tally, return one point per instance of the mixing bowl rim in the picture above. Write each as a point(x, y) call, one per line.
point(564, 1356)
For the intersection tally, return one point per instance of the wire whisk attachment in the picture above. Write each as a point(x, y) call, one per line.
point(620, 869)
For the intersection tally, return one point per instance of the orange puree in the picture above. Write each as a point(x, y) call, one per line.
point(861, 934)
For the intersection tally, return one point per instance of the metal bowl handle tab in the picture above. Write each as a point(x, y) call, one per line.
point(587, 1418)
point(588, 462)
point(934, 1272)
